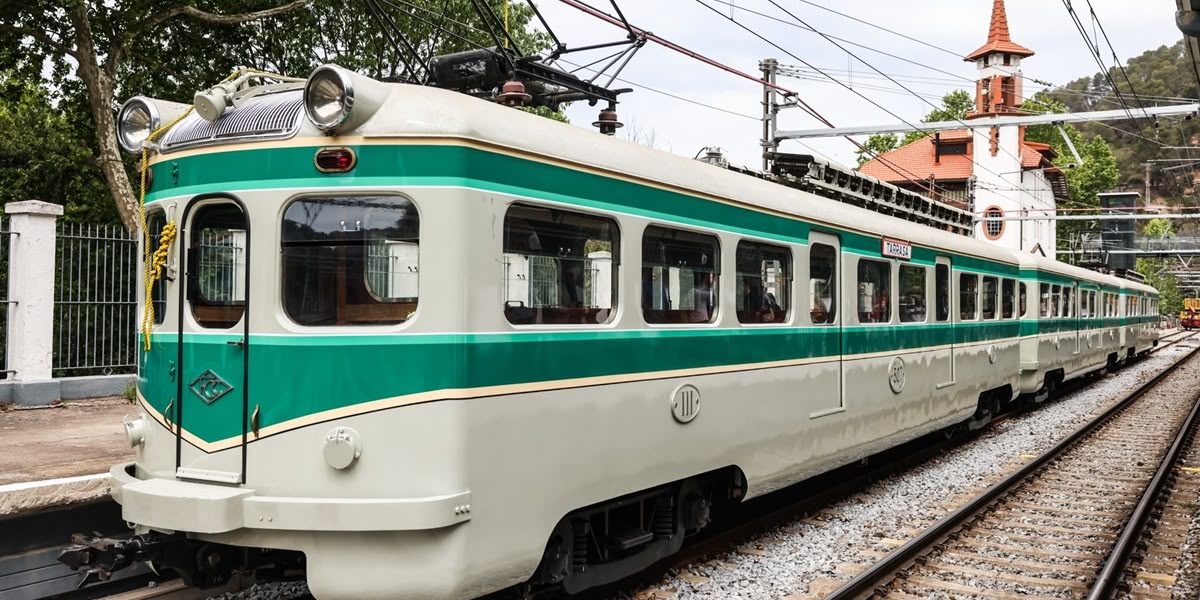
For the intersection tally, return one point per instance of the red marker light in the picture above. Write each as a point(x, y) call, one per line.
point(338, 159)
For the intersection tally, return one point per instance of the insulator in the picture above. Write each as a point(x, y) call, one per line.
point(608, 123)
point(513, 94)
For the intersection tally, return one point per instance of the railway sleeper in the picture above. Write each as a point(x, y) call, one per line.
point(611, 540)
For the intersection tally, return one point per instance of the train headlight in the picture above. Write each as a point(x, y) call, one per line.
point(135, 430)
point(328, 97)
point(140, 116)
point(338, 100)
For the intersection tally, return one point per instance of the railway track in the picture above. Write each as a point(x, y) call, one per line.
point(1066, 523)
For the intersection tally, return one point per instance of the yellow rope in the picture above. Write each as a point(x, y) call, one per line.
point(156, 261)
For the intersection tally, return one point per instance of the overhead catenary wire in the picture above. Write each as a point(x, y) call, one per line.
point(594, 12)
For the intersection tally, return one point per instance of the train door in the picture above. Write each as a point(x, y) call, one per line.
point(826, 314)
point(1076, 322)
point(943, 321)
point(212, 378)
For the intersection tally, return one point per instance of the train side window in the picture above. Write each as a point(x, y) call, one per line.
point(1068, 305)
point(350, 260)
point(1023, 300)
point(968, 297)
point(1084, 307)
point(560, 267)
point(1092, 304)
point(155, 221)
point(680, 272)
point(1045, 297)
point(1056, 301)
point(217, 270)
point(942, 292)
point(989, 297)
point(874, 291)
point(912, 294)
point(764, 282)
point(1007, 291)
point(822, 283)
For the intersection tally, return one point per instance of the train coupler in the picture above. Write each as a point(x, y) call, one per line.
point(97, 557)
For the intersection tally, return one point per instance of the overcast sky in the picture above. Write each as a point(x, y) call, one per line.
point(959, 26)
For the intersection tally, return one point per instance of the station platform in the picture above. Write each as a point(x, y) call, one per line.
point(60, 455)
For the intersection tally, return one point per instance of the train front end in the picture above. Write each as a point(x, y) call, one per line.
point(281, 376)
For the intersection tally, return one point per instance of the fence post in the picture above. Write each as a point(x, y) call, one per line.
point(31, 289)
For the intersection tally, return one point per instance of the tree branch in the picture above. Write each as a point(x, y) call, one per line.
point(216, 19)
point(41, 37)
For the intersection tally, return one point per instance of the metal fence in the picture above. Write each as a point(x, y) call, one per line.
point(95, 300)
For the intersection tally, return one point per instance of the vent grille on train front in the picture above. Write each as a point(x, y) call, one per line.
point(267, 117)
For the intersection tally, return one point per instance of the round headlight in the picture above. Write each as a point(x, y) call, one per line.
point(136, 121)
point(328, 97)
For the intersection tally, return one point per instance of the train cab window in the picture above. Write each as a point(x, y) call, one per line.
point(822, 284)
point(941, 292)
point(1044, 296)
point(560, 267)
point(989, 297)
point(968, 297)
point(350, 260)
point(912, 294)
point(764, 282)
point(217, 266)
point(874, 291)
point(1023, 300)
point(155, 221)
point(680, 272)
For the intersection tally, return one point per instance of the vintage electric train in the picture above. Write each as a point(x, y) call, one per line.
point(438, 347)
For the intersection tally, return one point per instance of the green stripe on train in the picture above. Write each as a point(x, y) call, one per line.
point(439, 165)
point(294, 376)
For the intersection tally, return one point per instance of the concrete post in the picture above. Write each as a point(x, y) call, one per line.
point(31, 291)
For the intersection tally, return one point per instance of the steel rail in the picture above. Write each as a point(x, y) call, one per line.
point(1111, 576)
point(865, 583)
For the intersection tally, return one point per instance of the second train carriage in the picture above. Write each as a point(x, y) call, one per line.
point(485, 347)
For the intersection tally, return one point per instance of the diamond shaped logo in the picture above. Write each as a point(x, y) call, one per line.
point(209, 387)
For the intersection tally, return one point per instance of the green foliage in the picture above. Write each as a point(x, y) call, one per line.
point(545, 111)
point(43, 157)
point(877, 144)
point(955, 106)
point(1170, 299)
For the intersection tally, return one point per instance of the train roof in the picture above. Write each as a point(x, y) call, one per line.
point(416, 111)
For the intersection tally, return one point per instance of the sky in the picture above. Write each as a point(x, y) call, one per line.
point(957, 26)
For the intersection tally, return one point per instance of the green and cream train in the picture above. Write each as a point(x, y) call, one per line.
point(439, 347)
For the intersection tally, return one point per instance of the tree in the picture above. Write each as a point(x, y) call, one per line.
point(1086, 180)
point(1170, 299)
point(955, 106)
point(99, 51)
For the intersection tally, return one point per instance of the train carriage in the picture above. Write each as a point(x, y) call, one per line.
point(467, 346)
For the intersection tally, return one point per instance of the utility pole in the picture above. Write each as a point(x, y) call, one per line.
point(770, 112)
point(1146, 196)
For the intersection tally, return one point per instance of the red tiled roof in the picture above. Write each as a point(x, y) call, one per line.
point(999, 39)
point(956, 135)
point(914, 162)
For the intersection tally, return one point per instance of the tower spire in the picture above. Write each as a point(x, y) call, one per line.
point(999, 39)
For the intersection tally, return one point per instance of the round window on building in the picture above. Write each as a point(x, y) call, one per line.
point(993, 229)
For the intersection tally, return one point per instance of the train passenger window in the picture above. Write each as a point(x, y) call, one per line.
point(1068, 303)
point(822, 283)
point(1092, 304)
point(1007, 289)
point(560, 267)
point(942, 292)
point(874, 291)
point(989, 297)
point(1084, 308)
point(217, 266)
point(764, 282)
point(1056, 301)
point(968, 297)
point(1023, 300)
point(350, 260)
point(1045, 298)
point(155, 221)
point(912, 294)
point(680, 272)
